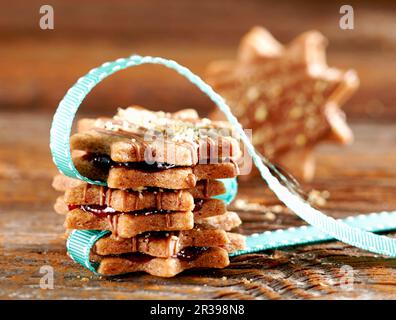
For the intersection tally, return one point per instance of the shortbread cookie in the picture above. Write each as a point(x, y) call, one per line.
point(62, 183)
point(177, 178)
point(141, 175)
point(227, 221)
point(183, 114)
point(60, 205)
point(203, 189)
point(202, 208)
point(236, 242)
point(287, 95)
point(167, 244)
point(136, 134)
point(188, 258)
point(208, 208)
point(125, 201)
point(127, 225)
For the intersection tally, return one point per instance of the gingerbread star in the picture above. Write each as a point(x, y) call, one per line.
point(287, 95)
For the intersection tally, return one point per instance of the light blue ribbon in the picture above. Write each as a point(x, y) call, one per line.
point(374, 222)
point(80, 242)
point(60, 148)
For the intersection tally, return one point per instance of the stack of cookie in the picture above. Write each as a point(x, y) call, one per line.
point(161, 171)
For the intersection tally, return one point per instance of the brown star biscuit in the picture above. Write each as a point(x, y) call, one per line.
point(183, 114)
point(189, 258)
point(203, 189)
point(167, 244)
point(226, 221)
point(60, 205)
point(62, 183)
point(209, 207)
point(236, 242)
point(176, 178)
point(287, 95)
point(99, 198)
point(127, 225)
point(173, 178)
point(136, 134)
point(125, 201)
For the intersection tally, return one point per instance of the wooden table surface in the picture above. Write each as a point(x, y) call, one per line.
point(360, 178)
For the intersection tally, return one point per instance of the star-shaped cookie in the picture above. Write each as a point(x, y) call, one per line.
point(287, 94)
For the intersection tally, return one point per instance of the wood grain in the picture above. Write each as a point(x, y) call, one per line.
point(38, 66)
point(360, 178)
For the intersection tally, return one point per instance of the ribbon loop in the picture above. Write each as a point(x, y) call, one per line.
point(60, 148)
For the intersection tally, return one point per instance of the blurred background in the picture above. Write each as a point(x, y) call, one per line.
point(38, 66)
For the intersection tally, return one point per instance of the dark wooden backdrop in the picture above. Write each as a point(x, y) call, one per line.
point(37, 66)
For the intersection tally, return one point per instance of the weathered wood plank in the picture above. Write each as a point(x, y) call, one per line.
point(360, 178)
